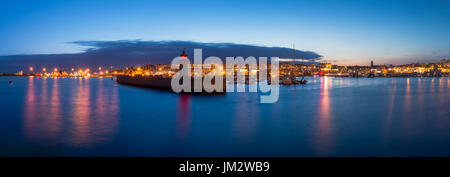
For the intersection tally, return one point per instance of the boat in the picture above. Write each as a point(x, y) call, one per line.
point(303, 81)
point(286, 81)
point(294, 80)
point(289, 79)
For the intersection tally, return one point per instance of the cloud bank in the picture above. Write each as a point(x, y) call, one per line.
point(124, 53)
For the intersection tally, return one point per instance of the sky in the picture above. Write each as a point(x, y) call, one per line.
point(132, 53)
point(346, 31)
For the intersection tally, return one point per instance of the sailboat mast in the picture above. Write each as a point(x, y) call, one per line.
point(293, 50)
point(293, 58)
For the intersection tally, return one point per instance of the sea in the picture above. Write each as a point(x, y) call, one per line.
point(327, 117)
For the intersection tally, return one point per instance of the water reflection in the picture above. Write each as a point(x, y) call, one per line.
point(42, 114)
point(65, 116)
point(49, 120)
point(245, 119)
point(79, 134)
point(106, 117)
point(390, 112)
point(30, 111)
point(407, 96)
point(324, 127)
point(421, 94)
point(443, 120)
point(55, 111)
point(407, 107)
point(184, 116)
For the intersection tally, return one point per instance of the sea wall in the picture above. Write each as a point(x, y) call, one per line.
point(157, 82)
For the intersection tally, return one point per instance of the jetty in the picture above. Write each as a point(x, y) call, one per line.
point(158, 82)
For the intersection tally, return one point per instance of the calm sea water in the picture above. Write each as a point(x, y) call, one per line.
point(326, 117)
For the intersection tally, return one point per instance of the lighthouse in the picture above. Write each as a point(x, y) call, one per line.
point(183, 55)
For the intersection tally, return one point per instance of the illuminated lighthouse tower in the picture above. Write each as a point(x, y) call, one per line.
point(183, 55)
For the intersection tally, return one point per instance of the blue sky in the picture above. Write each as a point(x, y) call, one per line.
point(350, 32)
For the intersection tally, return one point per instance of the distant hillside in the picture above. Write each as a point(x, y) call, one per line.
point(120, 54)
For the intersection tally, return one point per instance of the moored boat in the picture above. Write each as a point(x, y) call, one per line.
point(286, 81)
point(303, 81)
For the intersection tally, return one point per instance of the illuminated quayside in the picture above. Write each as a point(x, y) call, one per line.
point(436, 69)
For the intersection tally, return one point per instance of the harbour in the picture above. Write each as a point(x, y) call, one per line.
point(225, 87)
point(329, 116)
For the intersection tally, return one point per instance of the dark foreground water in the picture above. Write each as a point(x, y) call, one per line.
point(327, 117)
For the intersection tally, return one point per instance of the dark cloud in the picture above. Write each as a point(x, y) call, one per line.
point(126, 53)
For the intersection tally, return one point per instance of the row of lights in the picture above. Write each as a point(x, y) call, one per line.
point(73, 69)
point(45, 69)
